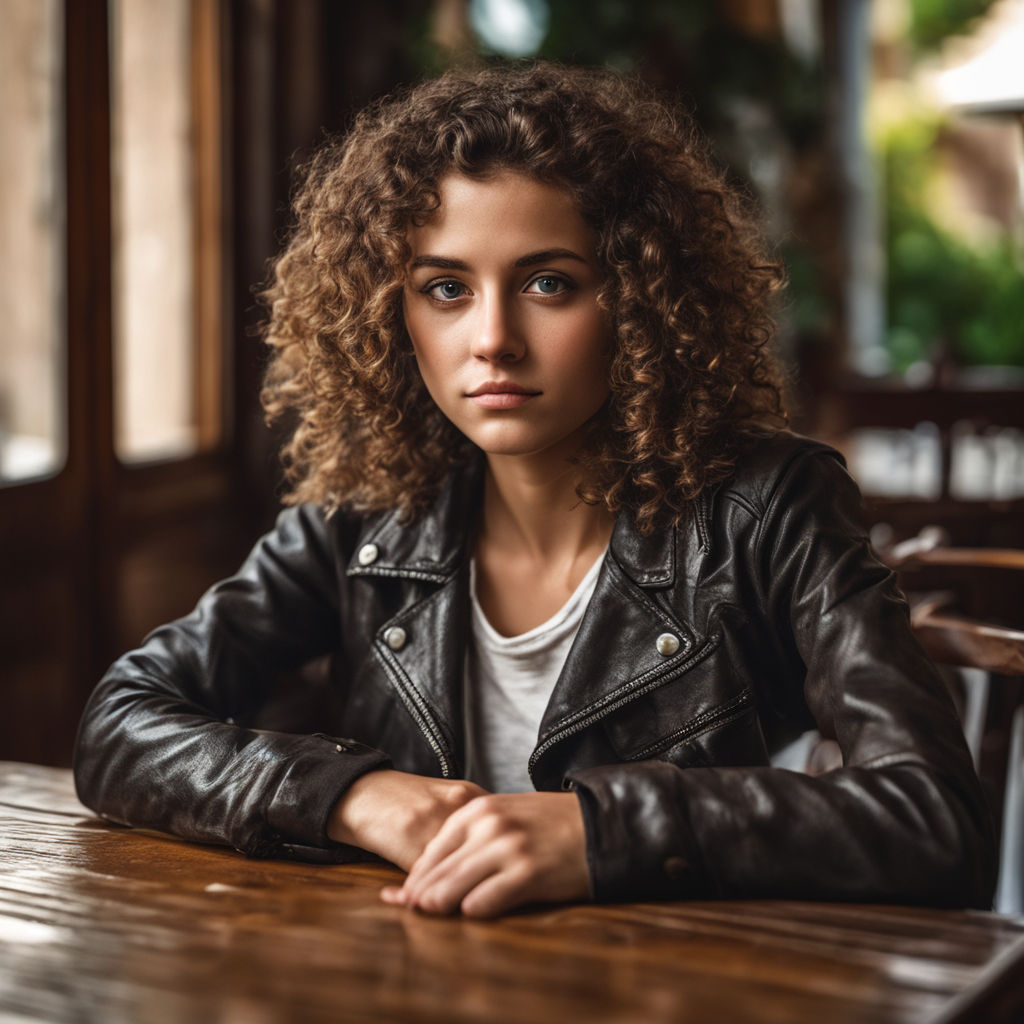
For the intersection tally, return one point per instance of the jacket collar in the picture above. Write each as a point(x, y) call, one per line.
point(648, 560)
point(437, 543)
point(434, 545)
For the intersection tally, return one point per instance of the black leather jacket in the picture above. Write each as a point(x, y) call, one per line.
point(782, 618)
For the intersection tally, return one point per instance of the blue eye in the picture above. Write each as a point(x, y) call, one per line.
point(547, 284)
point(445, 291)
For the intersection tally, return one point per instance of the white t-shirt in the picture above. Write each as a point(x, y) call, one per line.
point(508, 682)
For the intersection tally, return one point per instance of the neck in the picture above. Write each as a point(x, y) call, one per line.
point(531, 507)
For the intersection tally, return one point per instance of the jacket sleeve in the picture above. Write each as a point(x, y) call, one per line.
point(158, 746)
point(903, 820)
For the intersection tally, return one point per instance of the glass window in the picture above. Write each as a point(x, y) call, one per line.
point(32, 227)
point(154, 163)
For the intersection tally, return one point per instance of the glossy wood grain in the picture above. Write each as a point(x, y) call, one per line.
point(105, 924)
point(954, 639)
point(985, 558)
point(966, 603)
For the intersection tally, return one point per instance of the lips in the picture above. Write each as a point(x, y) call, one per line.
point(501, 395)
point(504, 387)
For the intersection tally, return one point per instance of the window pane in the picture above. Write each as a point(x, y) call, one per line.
point(153, 202)
point(32, 228)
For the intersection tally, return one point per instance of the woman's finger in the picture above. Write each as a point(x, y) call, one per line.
point(479, 819)
point(500, 892)
point(448, 839)
point(444, 889)
point(498, 852)
point(393, 894)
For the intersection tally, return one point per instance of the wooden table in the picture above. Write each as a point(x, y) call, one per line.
point(104, 924)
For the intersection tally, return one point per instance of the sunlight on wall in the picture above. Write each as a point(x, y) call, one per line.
point(32, 227)
point(153, 229)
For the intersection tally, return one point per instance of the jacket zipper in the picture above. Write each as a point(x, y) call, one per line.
point(417, 707)
point(702, 723)
point(582, 723)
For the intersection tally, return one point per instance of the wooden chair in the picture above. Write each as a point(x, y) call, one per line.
point(959, 404)
point(966, 608)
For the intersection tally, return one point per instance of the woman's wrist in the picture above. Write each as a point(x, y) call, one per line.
point(395, 814)
point(347, 820)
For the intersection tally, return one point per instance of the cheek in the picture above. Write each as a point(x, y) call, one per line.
point(588, 349)
point(423, 343)
point(428, 373)
point(430, 355)
point(434, 369)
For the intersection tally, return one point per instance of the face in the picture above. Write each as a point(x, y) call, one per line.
point(500, 302)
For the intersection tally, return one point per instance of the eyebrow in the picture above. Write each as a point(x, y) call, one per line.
point(530, 260)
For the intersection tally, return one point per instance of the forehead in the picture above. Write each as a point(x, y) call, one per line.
point(505, 210)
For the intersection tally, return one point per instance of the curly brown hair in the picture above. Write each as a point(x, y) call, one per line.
point(686, 288)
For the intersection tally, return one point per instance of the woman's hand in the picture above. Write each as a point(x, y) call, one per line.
point(395, 814)
point(498, 852)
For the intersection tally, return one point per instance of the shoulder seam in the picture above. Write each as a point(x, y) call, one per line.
point(769, 506)
point(744, 502)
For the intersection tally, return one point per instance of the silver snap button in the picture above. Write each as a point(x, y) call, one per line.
point(395, 638)
point(667, 644)
point(368, 554)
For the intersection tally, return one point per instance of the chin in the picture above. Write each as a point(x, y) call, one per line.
point(522, 439)
point(522, 447)
point(509, 449)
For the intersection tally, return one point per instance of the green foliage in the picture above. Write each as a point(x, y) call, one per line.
point(695, 50)
point(933, 21)
point(943, 288)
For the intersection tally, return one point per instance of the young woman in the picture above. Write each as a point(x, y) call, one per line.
point(577, 584)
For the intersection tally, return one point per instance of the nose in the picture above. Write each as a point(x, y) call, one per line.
point(497, 338)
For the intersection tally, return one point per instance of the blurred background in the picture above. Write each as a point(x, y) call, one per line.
point(147, 151)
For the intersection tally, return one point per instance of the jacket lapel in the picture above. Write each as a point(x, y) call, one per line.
point(427, 668)
point(616, 653)
point(422, 646)
point(615, 657)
